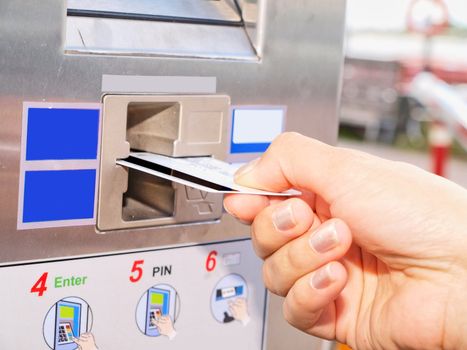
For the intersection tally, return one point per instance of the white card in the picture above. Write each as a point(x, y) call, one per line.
point(204, 173)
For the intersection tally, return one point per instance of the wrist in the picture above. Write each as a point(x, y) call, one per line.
point(455, 324)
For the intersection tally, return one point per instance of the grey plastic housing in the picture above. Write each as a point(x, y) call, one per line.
point(172, 125)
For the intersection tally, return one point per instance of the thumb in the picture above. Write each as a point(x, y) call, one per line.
point(296, 161)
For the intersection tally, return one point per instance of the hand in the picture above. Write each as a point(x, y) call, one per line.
point(86, 342)
point(401, 283)
point(165, 327)
point(239, 310)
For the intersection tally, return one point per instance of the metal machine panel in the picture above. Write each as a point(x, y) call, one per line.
point(297, 64)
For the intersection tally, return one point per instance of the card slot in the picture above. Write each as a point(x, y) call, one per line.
point(204, 173)
point(175, 173)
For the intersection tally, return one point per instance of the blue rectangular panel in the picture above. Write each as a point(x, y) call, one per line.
point(248, 147)
point(58, 133)
point(52, 195)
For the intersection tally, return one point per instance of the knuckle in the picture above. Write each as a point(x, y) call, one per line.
point(271, 278)
point(286, 138)
point(287, 313)
point(258, 245)
point(292, 311)
point(261, 235)
point(266, 277)
point(294, 258)
point(257, 249)
point(300, 298)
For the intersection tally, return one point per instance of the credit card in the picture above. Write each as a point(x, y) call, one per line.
point(204, 173)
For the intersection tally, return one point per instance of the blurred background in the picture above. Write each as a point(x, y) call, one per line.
point(404, 93)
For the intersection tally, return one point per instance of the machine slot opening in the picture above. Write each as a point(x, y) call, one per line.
point(151, 127)
point(147, 197)
point(171, 125)
point(178, 174)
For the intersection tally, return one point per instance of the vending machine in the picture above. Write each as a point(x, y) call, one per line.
point(99, 247)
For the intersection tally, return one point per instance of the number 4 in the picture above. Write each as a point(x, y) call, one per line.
point(41, 285)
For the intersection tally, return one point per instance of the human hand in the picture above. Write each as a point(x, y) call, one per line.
point(373, 253)
point(239, 310)
point(165, 327)
point(86, 342)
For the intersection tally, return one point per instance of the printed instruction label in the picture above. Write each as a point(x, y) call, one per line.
point(176, 298)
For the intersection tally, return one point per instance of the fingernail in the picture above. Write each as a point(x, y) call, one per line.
point(324, 239)
point(244, 222)
point(246, 168)
point(229, 212)
point(322, 278)
point(283, 218)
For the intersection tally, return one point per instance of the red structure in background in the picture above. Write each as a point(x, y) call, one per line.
point(433, 21)
point(451, 74)
point(377, 95)
point(440, 140)
point(429, 27)
point(430, 18)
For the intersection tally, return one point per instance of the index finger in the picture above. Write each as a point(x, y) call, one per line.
point(280, 223)
point(244, 206)
point(295, 161)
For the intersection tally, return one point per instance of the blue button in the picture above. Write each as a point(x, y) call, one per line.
point(52, 195)
point(58, 134)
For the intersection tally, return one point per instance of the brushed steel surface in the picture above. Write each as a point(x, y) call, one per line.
point(253, 15)
point(300, 68)
point(105, 36)
point(203, 9)
point(96, 34)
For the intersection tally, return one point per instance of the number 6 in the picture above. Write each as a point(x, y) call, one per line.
point(211, 261)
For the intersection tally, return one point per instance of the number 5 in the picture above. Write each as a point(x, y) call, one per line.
point(137, 271)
